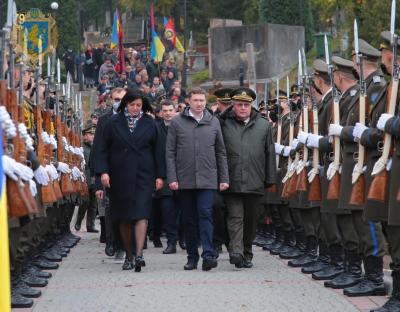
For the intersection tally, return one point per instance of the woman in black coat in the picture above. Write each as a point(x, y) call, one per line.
point(131, 163)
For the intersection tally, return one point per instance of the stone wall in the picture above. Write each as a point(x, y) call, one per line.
point(275, 48)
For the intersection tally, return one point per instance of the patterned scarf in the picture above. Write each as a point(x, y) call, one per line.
point(132, 120)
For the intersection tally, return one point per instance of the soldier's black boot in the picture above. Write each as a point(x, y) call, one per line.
point(18, 301)
point(322, 262)
point(278, 241)
point(309, 256)
point(351, 275)
point(372, 283)
point(291, 251)
point(281, 247)
point(299, 249)
point(273, 239)
point(393, 304)
point(335, 267)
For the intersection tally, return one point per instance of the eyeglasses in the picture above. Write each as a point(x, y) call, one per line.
point(117, 100)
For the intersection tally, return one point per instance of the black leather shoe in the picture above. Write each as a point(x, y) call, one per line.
point(366, 287)
point(182, 244)
point(343, 280)
point(236, 259)
point(247, 264)
point(278, 249)
point(33, 281)
point(169, 250)
point(45, 265)
point(291, 253)
point(109, 250)
point(157, 243)
point(139, 263)
point(302, 261)
point(128, 264)
point(77, 227)
point(51, 256)
point(392, 305)
point(37, 272)
point(209, 264)
point(19, 301)
point(328, 273)
point(55, 250)
point(190, 265)
point(92, 230)
point(20, 287)
point(314, 267)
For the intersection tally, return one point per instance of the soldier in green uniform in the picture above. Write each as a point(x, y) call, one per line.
point(89, 204)
point(221, 237)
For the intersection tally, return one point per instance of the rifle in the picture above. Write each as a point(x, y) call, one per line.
point(286, 193)
point(378, 189)
point(47, 191)
point(333, 174)
point(302, 182)
point(357, 196)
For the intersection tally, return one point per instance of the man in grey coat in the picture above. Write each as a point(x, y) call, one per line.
point(252, 168)
point(196, 167)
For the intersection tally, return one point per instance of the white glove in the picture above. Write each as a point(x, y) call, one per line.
point(29, 143)
point(335, 130)
point(54, 173)
point(279, 148)
point(76, 173)
point(286, 151)
point(10, 129)
point(313, 140)
point(63, 167)
point(8, 167)
point(294, 143)
point(22, 130)
point(41, 176)
point(359, 130)
point(45, 137)
point(32, 187)
point(25, 173)
point(302, 137)
point(53, 142)
point(383, 120)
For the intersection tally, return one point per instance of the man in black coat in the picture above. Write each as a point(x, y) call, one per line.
point(113, 241)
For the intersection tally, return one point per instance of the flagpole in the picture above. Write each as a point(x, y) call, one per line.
point(184, 76)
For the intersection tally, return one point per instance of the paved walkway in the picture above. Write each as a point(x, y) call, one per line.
point(87, 280)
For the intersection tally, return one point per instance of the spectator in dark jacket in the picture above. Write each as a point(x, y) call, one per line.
point(196, 167)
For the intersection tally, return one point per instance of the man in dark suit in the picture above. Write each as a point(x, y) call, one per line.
point(113, 241)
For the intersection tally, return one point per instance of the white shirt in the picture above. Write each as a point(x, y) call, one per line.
point(323, 97)
point(197, 119)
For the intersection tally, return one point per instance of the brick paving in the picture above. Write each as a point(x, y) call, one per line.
point(87, 280)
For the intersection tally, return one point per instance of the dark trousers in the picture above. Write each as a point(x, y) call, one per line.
point(393, 235)
point(311, 222)
point(243, 213)
point(170, 211)
point(196, 208)
point(286, 218)
point(156, 220)
point(358, 236)
point(219, 216)
point(113, 235)
point(89, 206)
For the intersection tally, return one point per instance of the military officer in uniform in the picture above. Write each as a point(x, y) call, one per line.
point(249, 146)
point(89, 204)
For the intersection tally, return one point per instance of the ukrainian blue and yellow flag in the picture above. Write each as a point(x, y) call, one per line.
point(5, 293)
point(115, 30)
point(157, 48)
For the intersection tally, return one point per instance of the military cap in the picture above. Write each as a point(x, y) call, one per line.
point(282, 95)
point(262, 105)
point(294, 90)
point(223, 95)
point(386, 39)
point(320, 67)
point(89, 127)
point(93, 115)
point(368, 51)
point(243, 94)
point(341, 64)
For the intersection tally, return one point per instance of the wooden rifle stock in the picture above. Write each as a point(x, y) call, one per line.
point(378, 189)
point(314, 192)
point(334, 187)
point(357, 196)
point(271, 189)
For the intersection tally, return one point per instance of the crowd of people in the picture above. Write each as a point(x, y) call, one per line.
point(235, 170)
